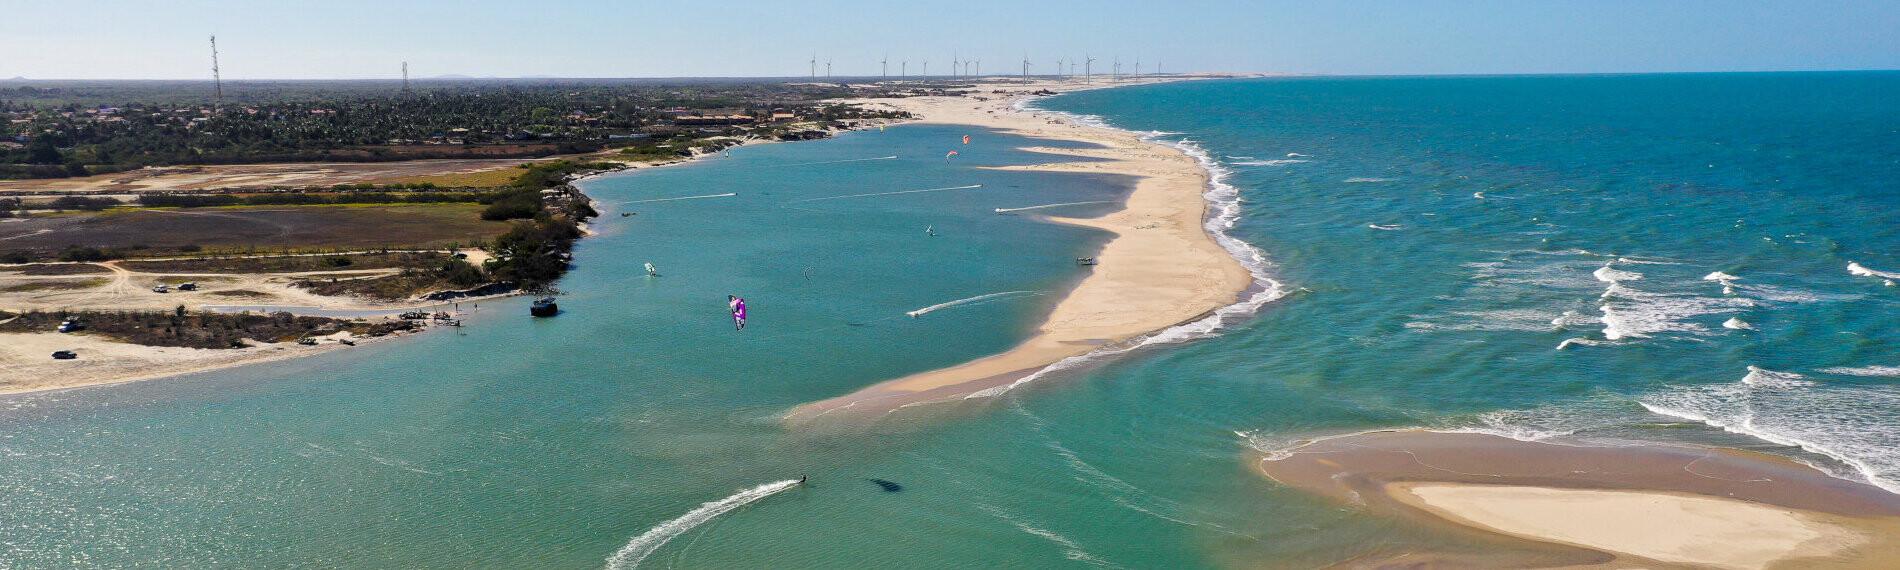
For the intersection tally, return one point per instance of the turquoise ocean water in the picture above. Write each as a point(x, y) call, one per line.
point(1685, 239)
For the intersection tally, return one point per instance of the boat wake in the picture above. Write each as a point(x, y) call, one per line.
point(1003, 210)
point(640, 547)
point(888, 193)
point(725, 195)
point(966, 301)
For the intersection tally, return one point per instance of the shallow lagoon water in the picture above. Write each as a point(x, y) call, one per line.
point(1443, 236)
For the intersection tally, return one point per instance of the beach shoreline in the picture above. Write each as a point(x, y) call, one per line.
point(1598, 505)
point(1162, 268)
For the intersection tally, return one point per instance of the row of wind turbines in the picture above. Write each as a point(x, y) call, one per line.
point(962, 68)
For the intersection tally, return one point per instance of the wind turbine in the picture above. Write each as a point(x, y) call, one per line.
point(903, 69)
point(1137, 66)
point(1025, 69)
point(956, 65)
point(926, 74)
point(884, 67)
point(814, 66)
point(1088, 72)
point(979, 67)
point(827, 68)
point(1058, 68)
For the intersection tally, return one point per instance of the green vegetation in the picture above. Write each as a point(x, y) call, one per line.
point(287, 264)
point(447, 273)
point(77, 128)
point(305, 199)
point(200, 330)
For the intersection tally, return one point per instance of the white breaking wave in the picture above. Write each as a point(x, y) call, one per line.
point(640, 547)
point(1863, 271)
point(1275, 162)
point(1850, 424)
point(1719, 276)
point(1568, 342)
point(1367, 180)
point(965, 301)
point(1294, 155)
point(1387, 227)
point(1738, 324)
point(1224, 202)
point(1608, 274)
point(1863, 370)
point(1629, 313)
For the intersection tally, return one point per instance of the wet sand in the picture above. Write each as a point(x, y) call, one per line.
point(1646, 505)
point(1160, 269)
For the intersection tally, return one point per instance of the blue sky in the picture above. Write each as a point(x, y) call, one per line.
point(47, 39)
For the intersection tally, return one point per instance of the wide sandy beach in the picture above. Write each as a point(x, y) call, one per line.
point(1635, 505)
point(1160, 269)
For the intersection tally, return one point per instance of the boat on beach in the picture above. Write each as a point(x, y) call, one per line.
point(544, 307)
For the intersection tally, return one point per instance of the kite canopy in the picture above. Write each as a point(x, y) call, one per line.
point(966, 139)
point(947, 156)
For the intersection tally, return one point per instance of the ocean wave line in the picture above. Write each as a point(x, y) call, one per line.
point(1224, 201)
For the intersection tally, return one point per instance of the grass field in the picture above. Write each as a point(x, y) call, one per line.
point(479, 179)
point(153, 231)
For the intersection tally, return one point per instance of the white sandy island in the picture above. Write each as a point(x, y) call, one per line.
point(1160, 269)
point(1665, 527)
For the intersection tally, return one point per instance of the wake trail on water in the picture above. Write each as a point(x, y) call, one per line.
point(892, 157)
point(886, 193)
point(725, 195)
point(640, 547)
point(1223, 200)
point(1002, 210)
point(966, 301)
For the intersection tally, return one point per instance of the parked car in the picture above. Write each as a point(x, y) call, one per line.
point(161, 289)
point(64, 355)
point(187, 286)
point(70, 325)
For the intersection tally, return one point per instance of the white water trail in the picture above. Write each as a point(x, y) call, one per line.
point(1070, 549)
point(834, 161)
point(1002, 210)
point(963, 301)
point(888, 193)
point(725, 195)
point(640, 547)
point(1223, 202)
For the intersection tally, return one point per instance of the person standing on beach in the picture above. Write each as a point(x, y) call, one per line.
point(738, 311)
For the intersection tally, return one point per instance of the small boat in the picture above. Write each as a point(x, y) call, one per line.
point(1085, 261)
point(544, 307)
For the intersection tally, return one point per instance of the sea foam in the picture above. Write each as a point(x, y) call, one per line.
point(1224, 212)
point(1852, 425)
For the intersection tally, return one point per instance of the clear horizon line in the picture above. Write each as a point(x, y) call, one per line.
point(837, 78)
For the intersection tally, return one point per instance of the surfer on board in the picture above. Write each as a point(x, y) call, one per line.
point(738, 311)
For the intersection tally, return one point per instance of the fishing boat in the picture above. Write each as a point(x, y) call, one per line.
point(544, 307)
